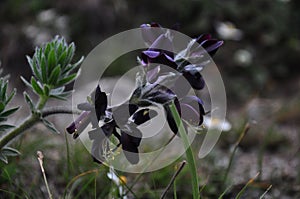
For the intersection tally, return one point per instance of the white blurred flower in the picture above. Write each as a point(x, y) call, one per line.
point(112, 175)
point(215, 123)
point(46, 16)
point(227, 30)
point(243, 57)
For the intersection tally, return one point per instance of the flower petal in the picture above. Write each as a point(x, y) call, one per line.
point(192, 110)
point(170, 119)
point(130, 140)
point(79, 124)
point(100, 102)
point(194, 77)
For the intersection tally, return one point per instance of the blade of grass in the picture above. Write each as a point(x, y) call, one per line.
point(173, 179)
point(237, 143)
point(238, 196)
point(263, 195)
point(11, 193)
point(85, 186)
point(189, 152)
point(224, 192)
point(76, 178)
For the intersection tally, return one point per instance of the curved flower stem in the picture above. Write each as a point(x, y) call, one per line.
point(189, 152)
point(30, 121)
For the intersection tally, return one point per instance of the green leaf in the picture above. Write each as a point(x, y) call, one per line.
point(70, 52)
point(29, 102)
point(36, 87)
point(9, 112)
point(78, 62)
point(5, 127)
point(47, 89)
point(33, 65)
point(2, 106)
point(62, 58)
point(26, 82)
point(67, 80)
point(54, 75)
point(62, 96)
point(3, 91)
point(59, 50)
point(13, 93)
point(44, 70)
point(47, 49)
point(3, 158)
point(8, 151)
point(57, 91)
point(50, 126)
point(51, 60)
point(3, 119)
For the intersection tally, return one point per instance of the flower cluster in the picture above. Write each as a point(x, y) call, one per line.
point(159, 84)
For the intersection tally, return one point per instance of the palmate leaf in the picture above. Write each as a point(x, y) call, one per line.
point(52, 67)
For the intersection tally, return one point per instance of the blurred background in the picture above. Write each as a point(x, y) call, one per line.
point(259, 63)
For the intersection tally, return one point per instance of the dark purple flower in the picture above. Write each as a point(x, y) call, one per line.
point(190, 109)
point(151, 32)
point(193, 76)
point(208, 44)
point(131, 139)
point(79, 124)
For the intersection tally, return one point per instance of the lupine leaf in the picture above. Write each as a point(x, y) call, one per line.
point(51, 60)
point(26, 82)
point(50, 126)
point(3, 119)
point(47, 89)
point(57, 91)
point(44, 68)
point(55, 75)
point(62, 57)
point(4, 89)
point(3, 158)
point(13, 93)
point(36, 87)
point(9, 112)
point(8, 151)
point(5, 127)
point(2, 106)
point(33, 65)
point(29, 102)
point(70, 52)
point(67, 80)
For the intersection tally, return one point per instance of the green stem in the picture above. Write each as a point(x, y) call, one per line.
point(30, 121)
point(189, 152)
point(41, 103)
point(18, 130)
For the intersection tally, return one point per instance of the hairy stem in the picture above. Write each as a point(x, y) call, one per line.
point(41, 103)
point(30, 121)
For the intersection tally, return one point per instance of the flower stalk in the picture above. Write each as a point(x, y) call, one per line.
point(189, 153)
